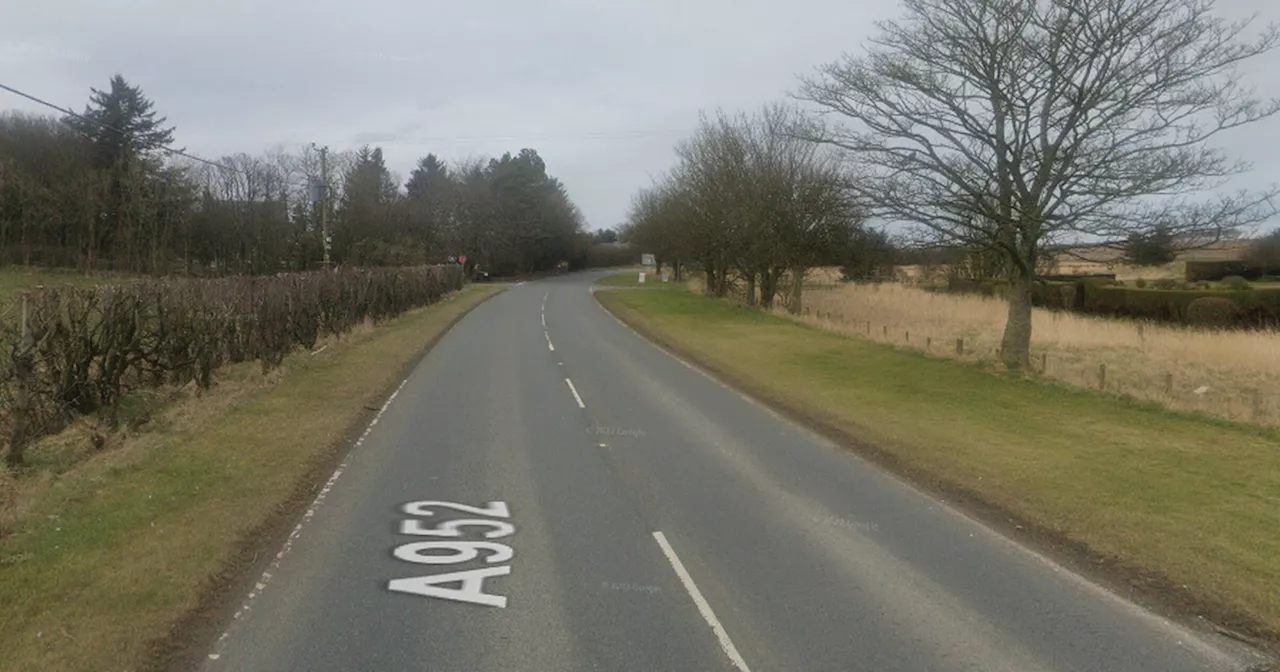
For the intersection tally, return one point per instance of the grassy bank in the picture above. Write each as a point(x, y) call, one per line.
point(98, 564)
point(631, 279)
point(1183, 506)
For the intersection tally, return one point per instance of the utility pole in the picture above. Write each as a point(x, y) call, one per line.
point(324, 202)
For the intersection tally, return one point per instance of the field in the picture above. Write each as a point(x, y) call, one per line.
point(105, 551)
point(1174, 506)
point(14, 280)
point(1230, 374)
point(631, 279)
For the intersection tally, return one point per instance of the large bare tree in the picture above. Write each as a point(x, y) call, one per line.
point(1011, 125)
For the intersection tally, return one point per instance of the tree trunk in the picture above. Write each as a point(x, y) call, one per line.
point(1015, 347)
point(751, 288)
point(768, 287)
point(675, 269)
point(722, 278)
point(797, 286)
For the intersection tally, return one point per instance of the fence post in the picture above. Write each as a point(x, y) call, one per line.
point(868, 328)
point(1044, 363)
point(1102, 376)
point(23, 371)
point(928, 343)
point(960, 346)
point(1257, 405)
point(884, 331)
point(907, 337)
point(1168, 384)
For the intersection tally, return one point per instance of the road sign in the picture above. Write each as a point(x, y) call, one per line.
point(462, 259)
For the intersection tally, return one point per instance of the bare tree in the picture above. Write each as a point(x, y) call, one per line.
point(1014, 124)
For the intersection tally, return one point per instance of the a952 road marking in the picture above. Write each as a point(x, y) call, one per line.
point(574, 390)
point(703, 607)
point(448, 549)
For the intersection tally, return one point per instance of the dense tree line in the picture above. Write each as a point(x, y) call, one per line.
point(1003, 128)
point(749, 202)
point(97, 191)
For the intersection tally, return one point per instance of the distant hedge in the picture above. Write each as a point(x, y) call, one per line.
point(1257, 308)
point(82, 349)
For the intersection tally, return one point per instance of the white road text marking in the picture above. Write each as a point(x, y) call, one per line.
point(703, 608)
point(470, 583)
point(574, 390)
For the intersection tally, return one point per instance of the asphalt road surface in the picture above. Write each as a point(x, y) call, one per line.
point(548, 491)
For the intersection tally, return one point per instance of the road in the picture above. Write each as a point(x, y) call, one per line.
point(585, 501)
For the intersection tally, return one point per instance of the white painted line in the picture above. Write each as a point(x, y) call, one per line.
point(322, 349)
point(274, 566)
point(544, 320)
point(574, 390)
point(703, 608)
point(550, 347)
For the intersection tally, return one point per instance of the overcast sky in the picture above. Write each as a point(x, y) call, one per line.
point(601, 90)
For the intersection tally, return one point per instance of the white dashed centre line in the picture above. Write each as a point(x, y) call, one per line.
point(703, 608)
point(574, 390)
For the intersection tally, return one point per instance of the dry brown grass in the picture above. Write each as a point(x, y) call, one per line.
point(103, 552)
point(1232, 365)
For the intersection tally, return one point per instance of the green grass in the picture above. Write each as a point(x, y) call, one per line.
point(632, 279)
point(16, 279)
point(100, 563)
point(1192, 501)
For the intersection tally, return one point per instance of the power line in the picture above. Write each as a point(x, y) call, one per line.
point(109, 127)
point(553, 135)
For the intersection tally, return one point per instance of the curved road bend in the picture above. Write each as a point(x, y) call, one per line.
point(548, 491)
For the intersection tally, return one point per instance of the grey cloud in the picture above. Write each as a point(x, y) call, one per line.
point(603, 90)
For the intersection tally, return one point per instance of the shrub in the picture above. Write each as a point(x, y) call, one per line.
point(1236, 282)
point(1165, 283)
point(1140, 283)
point(1258, 308)
point(91, 346)
point(1213, 311)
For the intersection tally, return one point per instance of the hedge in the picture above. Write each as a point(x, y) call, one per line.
point(82, 349)
point(1258, 308)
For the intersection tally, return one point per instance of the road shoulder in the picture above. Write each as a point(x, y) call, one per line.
point(1123, 576)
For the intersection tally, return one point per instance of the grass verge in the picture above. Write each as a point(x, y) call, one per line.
point(1170, 506)
point(119, 561)
point(631, 279)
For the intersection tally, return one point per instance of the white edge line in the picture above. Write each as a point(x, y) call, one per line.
point(550, 347)
point(1205, 641)
point(574, 390)
point(271, 569)
point(703, 608)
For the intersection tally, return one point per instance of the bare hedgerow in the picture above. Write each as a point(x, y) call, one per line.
point(81, 350)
